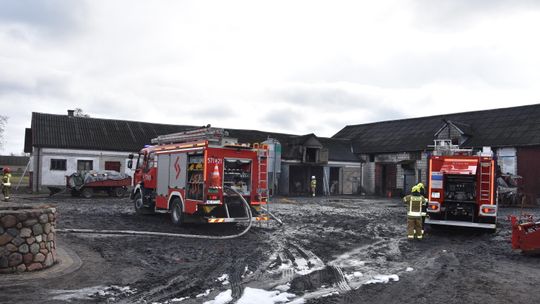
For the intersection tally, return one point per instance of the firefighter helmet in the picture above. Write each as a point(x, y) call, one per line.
point(7, 170)
point(313, 177)
point(417, 188)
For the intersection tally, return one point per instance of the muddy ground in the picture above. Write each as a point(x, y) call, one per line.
point(338, 250)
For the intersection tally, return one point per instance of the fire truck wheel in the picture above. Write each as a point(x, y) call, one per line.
point(87, 192)
point(139, 205)
point(177, 216)
point(117, 192)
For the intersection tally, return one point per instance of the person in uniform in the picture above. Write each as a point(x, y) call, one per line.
point(6, 183)
point(313, 185)
point(415, 203)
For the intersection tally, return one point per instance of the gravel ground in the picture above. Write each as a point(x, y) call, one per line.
point(338, 250)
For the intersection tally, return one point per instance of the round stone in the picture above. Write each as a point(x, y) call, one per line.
point(18, 241)
point(34, 248)
point(26, 232)
point(8, 221)
point(5, 238)
point(19, 225)
point(30, 240)
point(21, 268)
point(22, 217)
point(15, 259)
point(34, 266)
point(27, 258)
point(44, 218)
point(39, 257)
point(13, 232)
point(51, 217)
point(44, 251)
point(49, 260)
point(30, 222)
point(3, 262)
point(47, 227)
point(24, 248)
point(37, 229)
point(39, 238)
point(50, 237)
point(11, 248)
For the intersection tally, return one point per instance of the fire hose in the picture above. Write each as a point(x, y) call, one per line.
point(166, 234)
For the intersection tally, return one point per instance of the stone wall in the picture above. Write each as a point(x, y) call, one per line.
point(27, 238)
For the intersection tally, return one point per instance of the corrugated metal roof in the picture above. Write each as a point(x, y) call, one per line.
point(516, 126)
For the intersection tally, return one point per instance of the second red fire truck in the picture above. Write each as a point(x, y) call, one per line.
point(187, 174)
point(461, 188)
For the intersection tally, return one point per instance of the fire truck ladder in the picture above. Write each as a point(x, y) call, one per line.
point(262, 186)
point(208, 133)
point(485, 182)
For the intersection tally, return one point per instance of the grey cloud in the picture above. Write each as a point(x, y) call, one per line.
point(214, 112)
point(54, 17)
point(464, 66)
point(50, 86)
point(282, 119)
point(336, 100)
point(451, 15)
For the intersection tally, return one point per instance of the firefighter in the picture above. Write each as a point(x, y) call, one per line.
point(415, 203)
point(313, 185)
point(6, 183)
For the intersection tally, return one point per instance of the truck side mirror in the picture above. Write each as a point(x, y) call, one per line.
point(130, 164)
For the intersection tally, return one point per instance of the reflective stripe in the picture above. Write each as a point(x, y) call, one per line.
point(7, 184)
point(415, 214)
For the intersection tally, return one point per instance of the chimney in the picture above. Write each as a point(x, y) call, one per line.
point(71, 113)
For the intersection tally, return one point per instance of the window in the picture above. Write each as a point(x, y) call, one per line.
point(311, 155)
point(85, 165)
point(195, 184)
point(58, 164)
point(112, 165)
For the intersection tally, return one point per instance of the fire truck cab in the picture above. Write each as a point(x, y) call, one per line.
point(461, 188)
point(187, 174)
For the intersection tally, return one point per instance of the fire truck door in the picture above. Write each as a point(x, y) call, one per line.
point(163, 174)
point(177, 171)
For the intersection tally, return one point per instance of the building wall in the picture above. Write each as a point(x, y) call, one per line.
point(369, 168)
point(284, 179)
point(422, 168)
point(368, 177)
point(41, 164)
point(507, 160)
point(351, 180)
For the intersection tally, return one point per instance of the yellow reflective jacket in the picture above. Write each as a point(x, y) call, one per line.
point(6, 180)
point(414, 205)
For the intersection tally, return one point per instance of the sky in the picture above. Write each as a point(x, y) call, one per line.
point(295, 66)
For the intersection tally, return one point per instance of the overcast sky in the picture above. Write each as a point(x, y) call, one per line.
point(285, 66)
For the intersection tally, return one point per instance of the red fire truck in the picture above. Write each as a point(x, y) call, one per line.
point(461, 188)
point(187, 174)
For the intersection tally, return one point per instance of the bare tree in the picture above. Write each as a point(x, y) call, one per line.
point(3, 122)
point(80, 113)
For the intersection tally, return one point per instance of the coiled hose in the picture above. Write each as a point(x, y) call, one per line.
point(181, 235)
